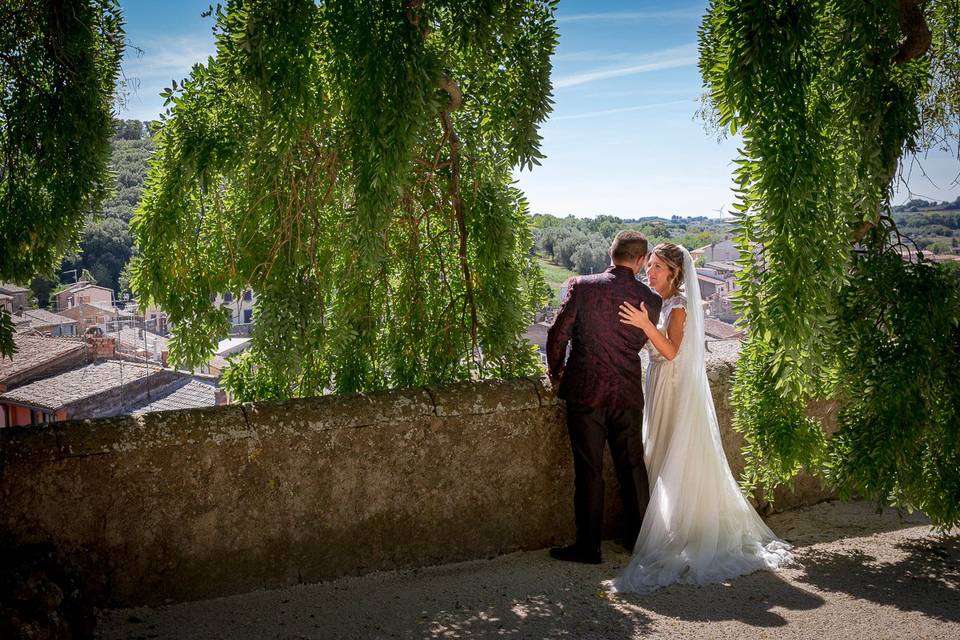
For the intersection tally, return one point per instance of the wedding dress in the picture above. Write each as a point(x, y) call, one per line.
point(698, 527)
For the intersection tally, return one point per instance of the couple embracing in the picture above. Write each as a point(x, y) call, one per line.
point(685, 517)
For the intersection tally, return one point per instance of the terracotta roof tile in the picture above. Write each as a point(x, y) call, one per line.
point(36, 351)
point(59, 391)
point(189, 395)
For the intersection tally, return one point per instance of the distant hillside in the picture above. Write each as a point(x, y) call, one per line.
point(581, 244)
point(105, 243)
point(933, 226)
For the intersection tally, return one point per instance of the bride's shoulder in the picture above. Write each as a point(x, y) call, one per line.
point(674, 301)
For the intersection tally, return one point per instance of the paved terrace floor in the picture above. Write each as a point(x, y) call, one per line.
point(858, 574)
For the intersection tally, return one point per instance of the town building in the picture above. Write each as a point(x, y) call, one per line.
point(38, 357)
point(241, 310)
point(45, 323)
point(18, 296)
point(536, 335)
point(98, 390)
point(155, 319)
point(141, 344)
point(82, 292)
point(100, 315)
point(723, 251)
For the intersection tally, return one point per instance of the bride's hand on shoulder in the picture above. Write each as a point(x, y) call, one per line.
point(636, 317)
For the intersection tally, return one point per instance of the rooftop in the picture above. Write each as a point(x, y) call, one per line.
point(140, 339)
point(80, 286)
point(35, 351)
point(59, 391)
point(720, 265)
point(95, 307)
point(9, 287)
point(230, 346)
point(188, 395)
point(708, 278)
point(718, 329)
point(36, 318)
point(858, 574)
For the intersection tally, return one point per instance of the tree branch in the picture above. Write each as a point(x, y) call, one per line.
point(917, 34)
point(456, 199)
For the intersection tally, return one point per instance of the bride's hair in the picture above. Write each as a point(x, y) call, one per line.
point(672, 255)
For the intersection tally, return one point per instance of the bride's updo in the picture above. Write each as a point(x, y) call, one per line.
point(672, 255)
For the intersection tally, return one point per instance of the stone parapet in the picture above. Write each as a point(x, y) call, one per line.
point(193, 504)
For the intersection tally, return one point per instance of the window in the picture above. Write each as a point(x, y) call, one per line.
point(228, 297)
point(248, 295)
point(247, 316)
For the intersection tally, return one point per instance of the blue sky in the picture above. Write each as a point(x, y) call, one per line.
point(623, 138)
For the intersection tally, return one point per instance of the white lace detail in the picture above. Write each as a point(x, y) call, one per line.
point(671, 303)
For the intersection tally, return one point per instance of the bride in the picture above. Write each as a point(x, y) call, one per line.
point(698, 527)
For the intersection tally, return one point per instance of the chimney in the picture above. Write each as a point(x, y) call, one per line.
point(220, 397)
point(102, 348)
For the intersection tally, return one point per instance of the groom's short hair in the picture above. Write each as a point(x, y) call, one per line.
point(628, 246)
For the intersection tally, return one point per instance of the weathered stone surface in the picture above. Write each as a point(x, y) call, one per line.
point(468, 398)
point(336, 412)
point(204, 502)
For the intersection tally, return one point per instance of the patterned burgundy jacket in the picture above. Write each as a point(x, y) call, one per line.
point(604, 368)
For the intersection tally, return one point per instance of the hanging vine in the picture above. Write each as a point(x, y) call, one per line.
point(355, 161)
point(828, 96)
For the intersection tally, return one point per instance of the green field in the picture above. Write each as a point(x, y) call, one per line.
point(556, 276)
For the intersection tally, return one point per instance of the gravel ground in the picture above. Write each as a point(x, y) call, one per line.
point(858, 574)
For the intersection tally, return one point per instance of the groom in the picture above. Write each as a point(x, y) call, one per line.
point(602, 384)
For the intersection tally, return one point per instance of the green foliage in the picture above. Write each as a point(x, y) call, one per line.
point(555, 277)
point(59, 62)
point(351, 161)
point(935, 230)
point(897, 345)
point(105, 248)
point(826, 104)
point(581, 244)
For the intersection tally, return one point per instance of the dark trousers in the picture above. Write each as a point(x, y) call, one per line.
point(623, 428)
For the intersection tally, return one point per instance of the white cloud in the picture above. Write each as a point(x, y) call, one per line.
point(630, 15)
point(639, 107)
point(666, 59)
point(167, 57)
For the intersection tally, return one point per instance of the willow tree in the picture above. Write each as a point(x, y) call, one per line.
point(351, 161)
point(59, 62)
point(829, 96)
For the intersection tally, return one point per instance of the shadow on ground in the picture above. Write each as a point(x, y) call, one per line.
point(834, 520)
point(925, 579)
point(521, 595)
point(881, 575)
point(750, 600)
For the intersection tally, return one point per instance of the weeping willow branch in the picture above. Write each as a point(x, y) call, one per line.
point(456, 199)
point(338, 143)
point(917, 35)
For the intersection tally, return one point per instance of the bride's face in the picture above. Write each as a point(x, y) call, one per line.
point(659, 274)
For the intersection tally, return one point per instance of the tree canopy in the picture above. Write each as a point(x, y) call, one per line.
point(59, 62)
point(351, 161)
point(828, 96)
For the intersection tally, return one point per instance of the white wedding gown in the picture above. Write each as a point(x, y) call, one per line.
point(698, 527)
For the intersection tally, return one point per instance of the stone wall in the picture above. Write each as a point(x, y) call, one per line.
point(193, 504)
